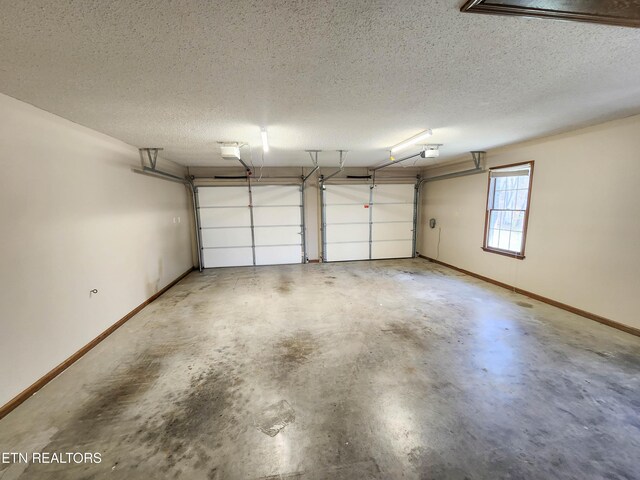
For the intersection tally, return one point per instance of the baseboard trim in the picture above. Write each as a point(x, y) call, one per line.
point(535, 296)
point(29, 391)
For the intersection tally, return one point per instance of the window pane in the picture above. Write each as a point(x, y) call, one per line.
point(503, 240)
point(493, 220)
point(510, 197)
point(499, 199)
point(518, 221)
point(493, 239)
point(515, 244)
point(507, 220)
point(500, 183)
point(523, 182)
point(521, 202)
point(512, 183)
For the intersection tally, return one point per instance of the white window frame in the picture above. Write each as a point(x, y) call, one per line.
point(513, 170)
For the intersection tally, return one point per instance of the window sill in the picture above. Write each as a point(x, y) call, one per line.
point(506, 253)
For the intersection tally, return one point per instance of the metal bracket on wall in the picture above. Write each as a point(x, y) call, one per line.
point(478, 157)
point(152, 156)
point(314, 156)
point(341, 167)
point(306, 177)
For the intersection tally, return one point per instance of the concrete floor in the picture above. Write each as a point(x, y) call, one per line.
point(364, 370)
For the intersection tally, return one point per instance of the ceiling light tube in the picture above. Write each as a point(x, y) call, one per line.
point(411, 141)
point(265, 140)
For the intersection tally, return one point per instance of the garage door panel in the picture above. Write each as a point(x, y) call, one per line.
point(264, 216)
point(225, 217)
point(277, 224)
point(394, 193)
point(392, 231)
point(346, 194)
point(223, 196)
point(392, 213)
point(348, 233)
point(277, 236)
point(225, 223)
point(226, 237)
point(227, 257)
point(346, 214)
point(337, 252)
point(276, 195)
point(278, 255)
point(393, 249)
point(347, 220)
point(226, 233)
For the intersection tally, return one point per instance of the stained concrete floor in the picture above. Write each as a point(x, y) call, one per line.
point(364, 370)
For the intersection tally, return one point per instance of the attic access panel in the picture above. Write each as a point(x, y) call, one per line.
point(615, 12)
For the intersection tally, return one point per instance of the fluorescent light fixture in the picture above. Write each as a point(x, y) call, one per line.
point(411, 141)
point(265, 140)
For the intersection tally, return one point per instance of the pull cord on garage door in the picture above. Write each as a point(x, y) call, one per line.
point(250, 225)
point(366, 222)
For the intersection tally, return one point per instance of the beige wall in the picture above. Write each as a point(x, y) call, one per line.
point(583, 242)
point(74, 218)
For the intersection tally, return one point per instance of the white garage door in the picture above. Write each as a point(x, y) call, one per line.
point(392, 221)
point(234, 232)
point(361, 222)
point(277, 224)
point(347, 221)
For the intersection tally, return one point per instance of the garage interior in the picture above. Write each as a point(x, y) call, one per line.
point(313, 240)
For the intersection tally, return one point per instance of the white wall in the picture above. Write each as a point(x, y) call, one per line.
point(75, 217)
point(583, 242)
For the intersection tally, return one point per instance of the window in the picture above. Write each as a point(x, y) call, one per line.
point(508, 209)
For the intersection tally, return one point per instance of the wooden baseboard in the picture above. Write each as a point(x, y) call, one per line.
point(316, 260)
point(26, 393)
point(535, 296)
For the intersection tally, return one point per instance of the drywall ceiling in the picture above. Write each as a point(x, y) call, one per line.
point(327, 75)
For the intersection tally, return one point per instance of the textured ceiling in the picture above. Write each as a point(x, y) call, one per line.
point(355, 75)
